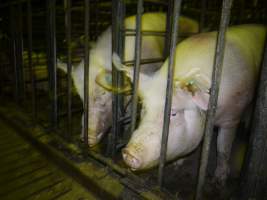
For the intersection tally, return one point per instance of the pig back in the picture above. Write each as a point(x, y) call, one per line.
point(242, 57)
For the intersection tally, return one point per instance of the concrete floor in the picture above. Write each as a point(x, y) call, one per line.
point(26, 174)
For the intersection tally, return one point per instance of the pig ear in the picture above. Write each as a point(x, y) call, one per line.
point(104, 79)
point(199, 93)
point(201, 99)
point(120, 67)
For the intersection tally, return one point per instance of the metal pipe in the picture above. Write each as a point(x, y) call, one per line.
point(117, 46)
point(13, 53)
point(32, 70)
point(52, 60)
point(254, 179)
point(69, 64)
point(216, 78)
point(202, 15)
point(137, 58)
point(169, 89)
point(86, 71)
point(144, 61)
point(168, 29)
point(19, 53)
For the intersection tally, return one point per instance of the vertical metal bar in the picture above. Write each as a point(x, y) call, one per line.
point(117, 23)
point(169, 89)
point(216, 78)
point(254, 179)
point(20, 52)
point(97, 19)
point(69, 66)
point(137, 58)
point(86, 71)
point(13, 53)
point(169, 18)
point(52, 60)
point(202, 15)
point(32, 70)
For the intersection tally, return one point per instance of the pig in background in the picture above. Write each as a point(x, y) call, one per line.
point(193, 67)
point(100, 90)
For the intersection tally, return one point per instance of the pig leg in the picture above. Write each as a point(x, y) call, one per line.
point(224, 145)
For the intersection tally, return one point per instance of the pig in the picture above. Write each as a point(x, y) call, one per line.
point(100, 104)
point(192, 80)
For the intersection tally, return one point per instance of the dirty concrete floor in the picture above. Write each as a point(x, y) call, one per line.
point(27, 174)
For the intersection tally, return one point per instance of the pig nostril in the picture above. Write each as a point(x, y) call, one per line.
point(131, 160)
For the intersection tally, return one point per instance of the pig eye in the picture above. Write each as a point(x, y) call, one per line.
point(173, 113)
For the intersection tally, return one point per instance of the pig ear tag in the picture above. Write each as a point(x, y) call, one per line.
point(104, 79)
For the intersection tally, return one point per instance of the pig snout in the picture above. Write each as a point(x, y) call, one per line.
point(133, 160)
point(142, 152)
point(93, 137)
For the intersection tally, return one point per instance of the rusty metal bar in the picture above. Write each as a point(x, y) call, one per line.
point(86, 71)
point(51, 36)
point(69, 63)
point(31, 67)
point(169, 89)
point(137, 58)
point(216, 78)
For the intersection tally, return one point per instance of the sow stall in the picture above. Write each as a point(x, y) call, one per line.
point(36, 35)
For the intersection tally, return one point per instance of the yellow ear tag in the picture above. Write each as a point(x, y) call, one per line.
point(104, 79)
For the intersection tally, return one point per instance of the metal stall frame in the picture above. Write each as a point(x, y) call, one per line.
point(86, 71)
point(51, 59)
point(69, 63)
point(254, 174)
point(137, 58)
point(31, 66)
point(214, 91)
point(169, 89)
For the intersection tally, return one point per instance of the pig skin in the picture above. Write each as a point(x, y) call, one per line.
point(100, 106)
point(193, 64)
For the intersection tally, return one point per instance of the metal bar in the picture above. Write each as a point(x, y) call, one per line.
point(168, 29)
point(32, 70)
point(12, 3)
point(144, 61)
point(69, 64)
point(169, 89)
point(132, 32)
point(96, 17)
point(216, 78)
point(202, 15)
point(19, 52)
point(254, 179)
point(52, 61)
point(137, 58)
point(117, 41)
point(13, 53)
point(86, 71)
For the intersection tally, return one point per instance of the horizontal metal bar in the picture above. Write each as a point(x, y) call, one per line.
point(144, 61)
point(132, 32)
